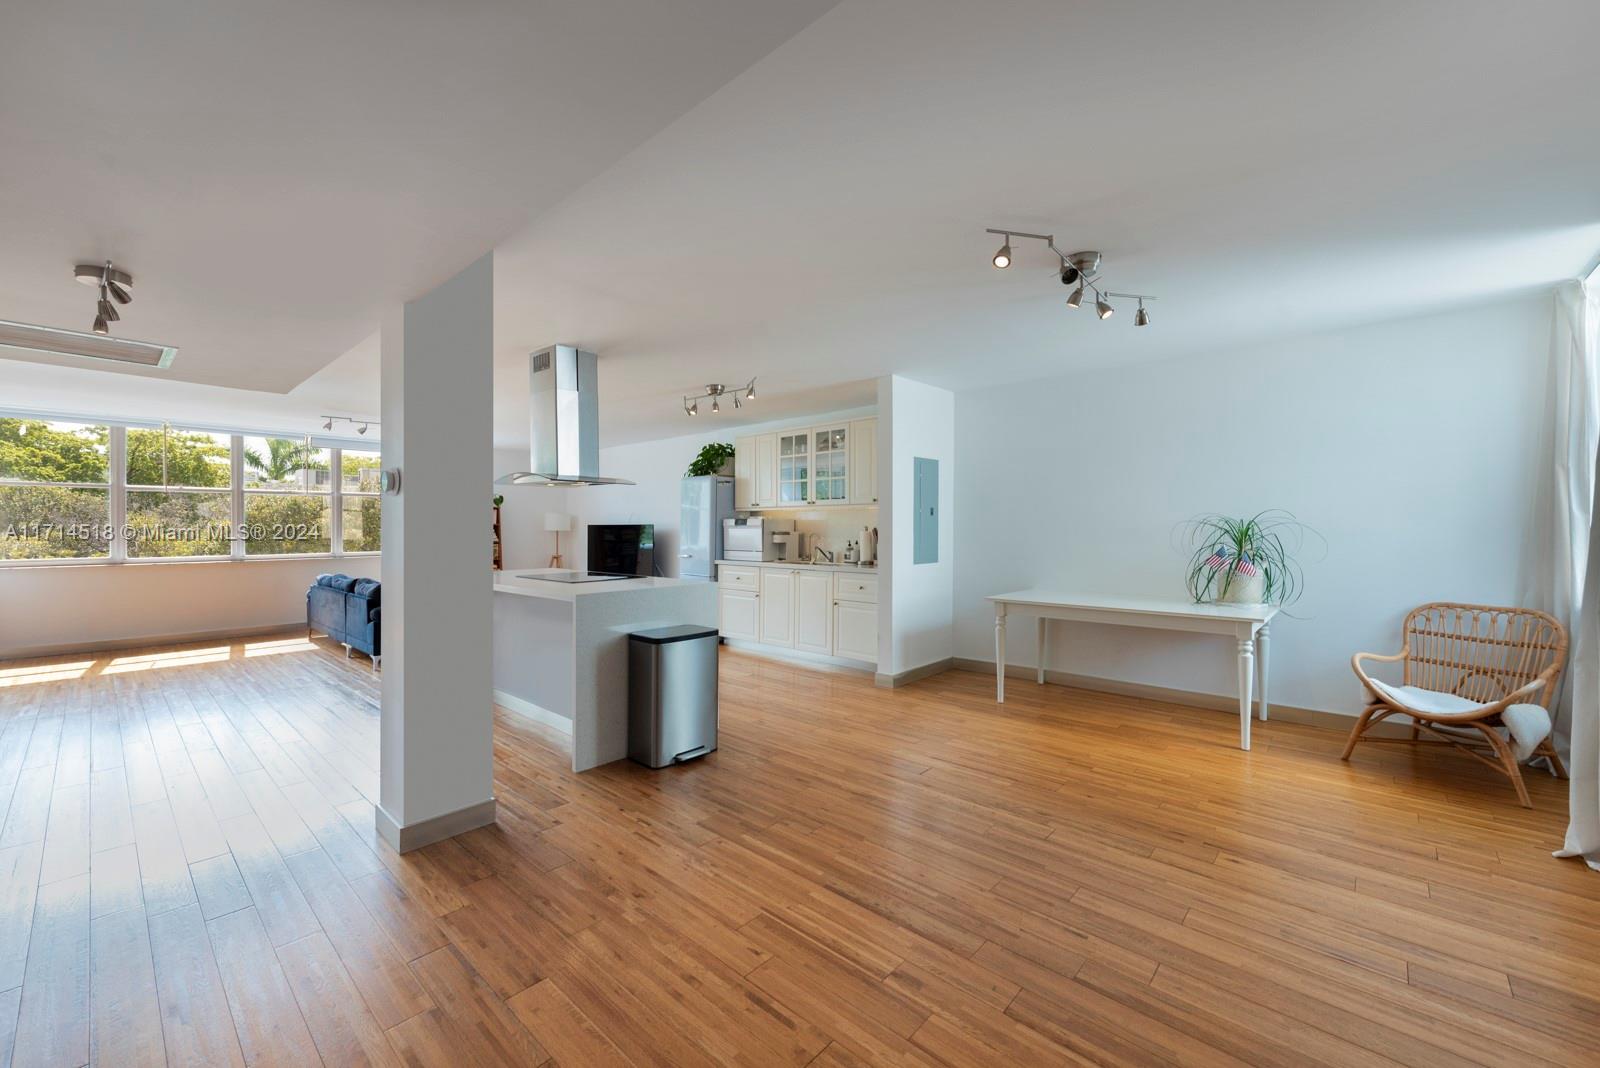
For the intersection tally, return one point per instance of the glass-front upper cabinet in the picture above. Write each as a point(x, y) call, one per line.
point(794, 468)
point(831, 464)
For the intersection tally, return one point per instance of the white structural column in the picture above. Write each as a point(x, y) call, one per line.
point(437, 358)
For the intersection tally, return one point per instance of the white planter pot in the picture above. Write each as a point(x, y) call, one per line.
point(1242, 589)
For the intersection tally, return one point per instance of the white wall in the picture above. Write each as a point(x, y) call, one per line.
point(916, 601)
point(524, 542)
point(87, 606)
point(1411, 446)
point(657, 467)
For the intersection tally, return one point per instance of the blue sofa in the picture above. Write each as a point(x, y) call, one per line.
point(348, 610)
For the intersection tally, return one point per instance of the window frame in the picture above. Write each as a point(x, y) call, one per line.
point(117, 490)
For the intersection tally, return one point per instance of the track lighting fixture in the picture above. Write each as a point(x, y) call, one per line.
point(1078, 269)
point(113, 285)
point(741, 395)
point(361, 426)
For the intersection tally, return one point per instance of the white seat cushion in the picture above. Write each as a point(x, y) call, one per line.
point(1526, 725)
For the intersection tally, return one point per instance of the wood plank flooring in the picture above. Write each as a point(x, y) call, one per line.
point(189, 876)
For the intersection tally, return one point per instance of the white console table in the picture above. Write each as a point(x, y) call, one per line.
point(1247, 623)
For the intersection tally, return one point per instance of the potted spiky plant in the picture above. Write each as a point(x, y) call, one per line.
point(1250, 560)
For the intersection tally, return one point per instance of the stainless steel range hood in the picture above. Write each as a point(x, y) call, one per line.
point(564, 420)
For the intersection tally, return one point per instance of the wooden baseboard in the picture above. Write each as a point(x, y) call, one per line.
point(108, 645)
point(532, 711)
point(910, 675)
point(427, 832)
point(1314, 717)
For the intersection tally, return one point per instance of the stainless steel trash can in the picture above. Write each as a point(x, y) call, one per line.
point(672, 694)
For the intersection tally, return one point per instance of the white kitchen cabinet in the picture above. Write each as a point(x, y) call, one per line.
point(766, 476)
point(739, 614)
point(744, 473)
point(794, 468)
point(777, 607)
point(864, 461)
point(830, 464)
point(813, 616)
point(855, 630)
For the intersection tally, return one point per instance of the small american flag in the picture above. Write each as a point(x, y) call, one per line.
point(1222, 557)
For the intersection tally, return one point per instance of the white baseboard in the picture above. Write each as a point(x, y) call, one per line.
point(426, 832)
point(1315, 717)
point(538, 714)
point(910, 675)
point(797, 656)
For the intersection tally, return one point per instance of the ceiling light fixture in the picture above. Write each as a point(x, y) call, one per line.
point(361, 426)
point(716, 391)
point(112, 283)
point(1078, 269)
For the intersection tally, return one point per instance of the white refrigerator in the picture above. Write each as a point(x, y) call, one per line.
point(706, 500)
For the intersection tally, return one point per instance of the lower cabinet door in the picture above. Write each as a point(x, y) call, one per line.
point(740, 612)
point(855, 631)
point(777, 607)
point(813, 626)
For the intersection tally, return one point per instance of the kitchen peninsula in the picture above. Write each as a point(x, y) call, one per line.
point(561, 649)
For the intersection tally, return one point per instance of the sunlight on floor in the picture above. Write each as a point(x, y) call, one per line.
point(287, 645)
point(24, 676)
point(180, 658)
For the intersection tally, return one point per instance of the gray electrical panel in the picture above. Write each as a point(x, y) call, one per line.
point(925, 526)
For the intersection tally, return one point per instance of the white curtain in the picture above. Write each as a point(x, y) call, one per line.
point(1566, 577)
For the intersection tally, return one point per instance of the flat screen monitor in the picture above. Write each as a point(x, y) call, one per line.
point(622, 548)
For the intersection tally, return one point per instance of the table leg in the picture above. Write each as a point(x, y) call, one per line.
point(1000, 654)
point(1261, 665)
point(1247, 656)
point(1040, 661)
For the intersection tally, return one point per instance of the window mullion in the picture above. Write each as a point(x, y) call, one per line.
point(236, 505)
point(117, 445)
point(336, 502)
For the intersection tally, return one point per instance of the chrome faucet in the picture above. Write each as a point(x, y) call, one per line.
point(817, 550)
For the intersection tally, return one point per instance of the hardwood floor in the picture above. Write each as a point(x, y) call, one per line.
point(188, 875)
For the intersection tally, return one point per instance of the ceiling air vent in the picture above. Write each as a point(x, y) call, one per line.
point(94, 346)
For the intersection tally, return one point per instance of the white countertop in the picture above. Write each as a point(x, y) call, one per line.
point(526, 583)
point(870, 569)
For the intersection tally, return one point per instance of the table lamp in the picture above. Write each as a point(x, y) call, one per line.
point(557, 523)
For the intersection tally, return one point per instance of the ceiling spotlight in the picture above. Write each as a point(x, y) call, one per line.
point(118, 294)
point(715, 407)
point(716, 391)
point(362, 429)
point(694, 409)
point(108, 311)
point(1102, 309)
point(1003, 257)
point(1141, 317)
point(328, 425)
point(1076, 300)
point(100, 325)
point(1069, 274)
point(750, 391)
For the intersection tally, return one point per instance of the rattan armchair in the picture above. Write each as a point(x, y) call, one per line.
point(1494, 657)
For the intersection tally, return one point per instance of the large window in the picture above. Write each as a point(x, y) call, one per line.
point(55, 491)
point(180, 492)
point(288, 496)
point(362, 512)
point(89, 491)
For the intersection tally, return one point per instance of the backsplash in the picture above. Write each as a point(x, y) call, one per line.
point(834, 525)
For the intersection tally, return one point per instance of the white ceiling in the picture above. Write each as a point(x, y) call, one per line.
point(1267, 168)
point(274, 171)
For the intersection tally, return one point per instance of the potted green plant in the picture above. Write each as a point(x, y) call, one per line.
point(712, 460)
point(1250, 560)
